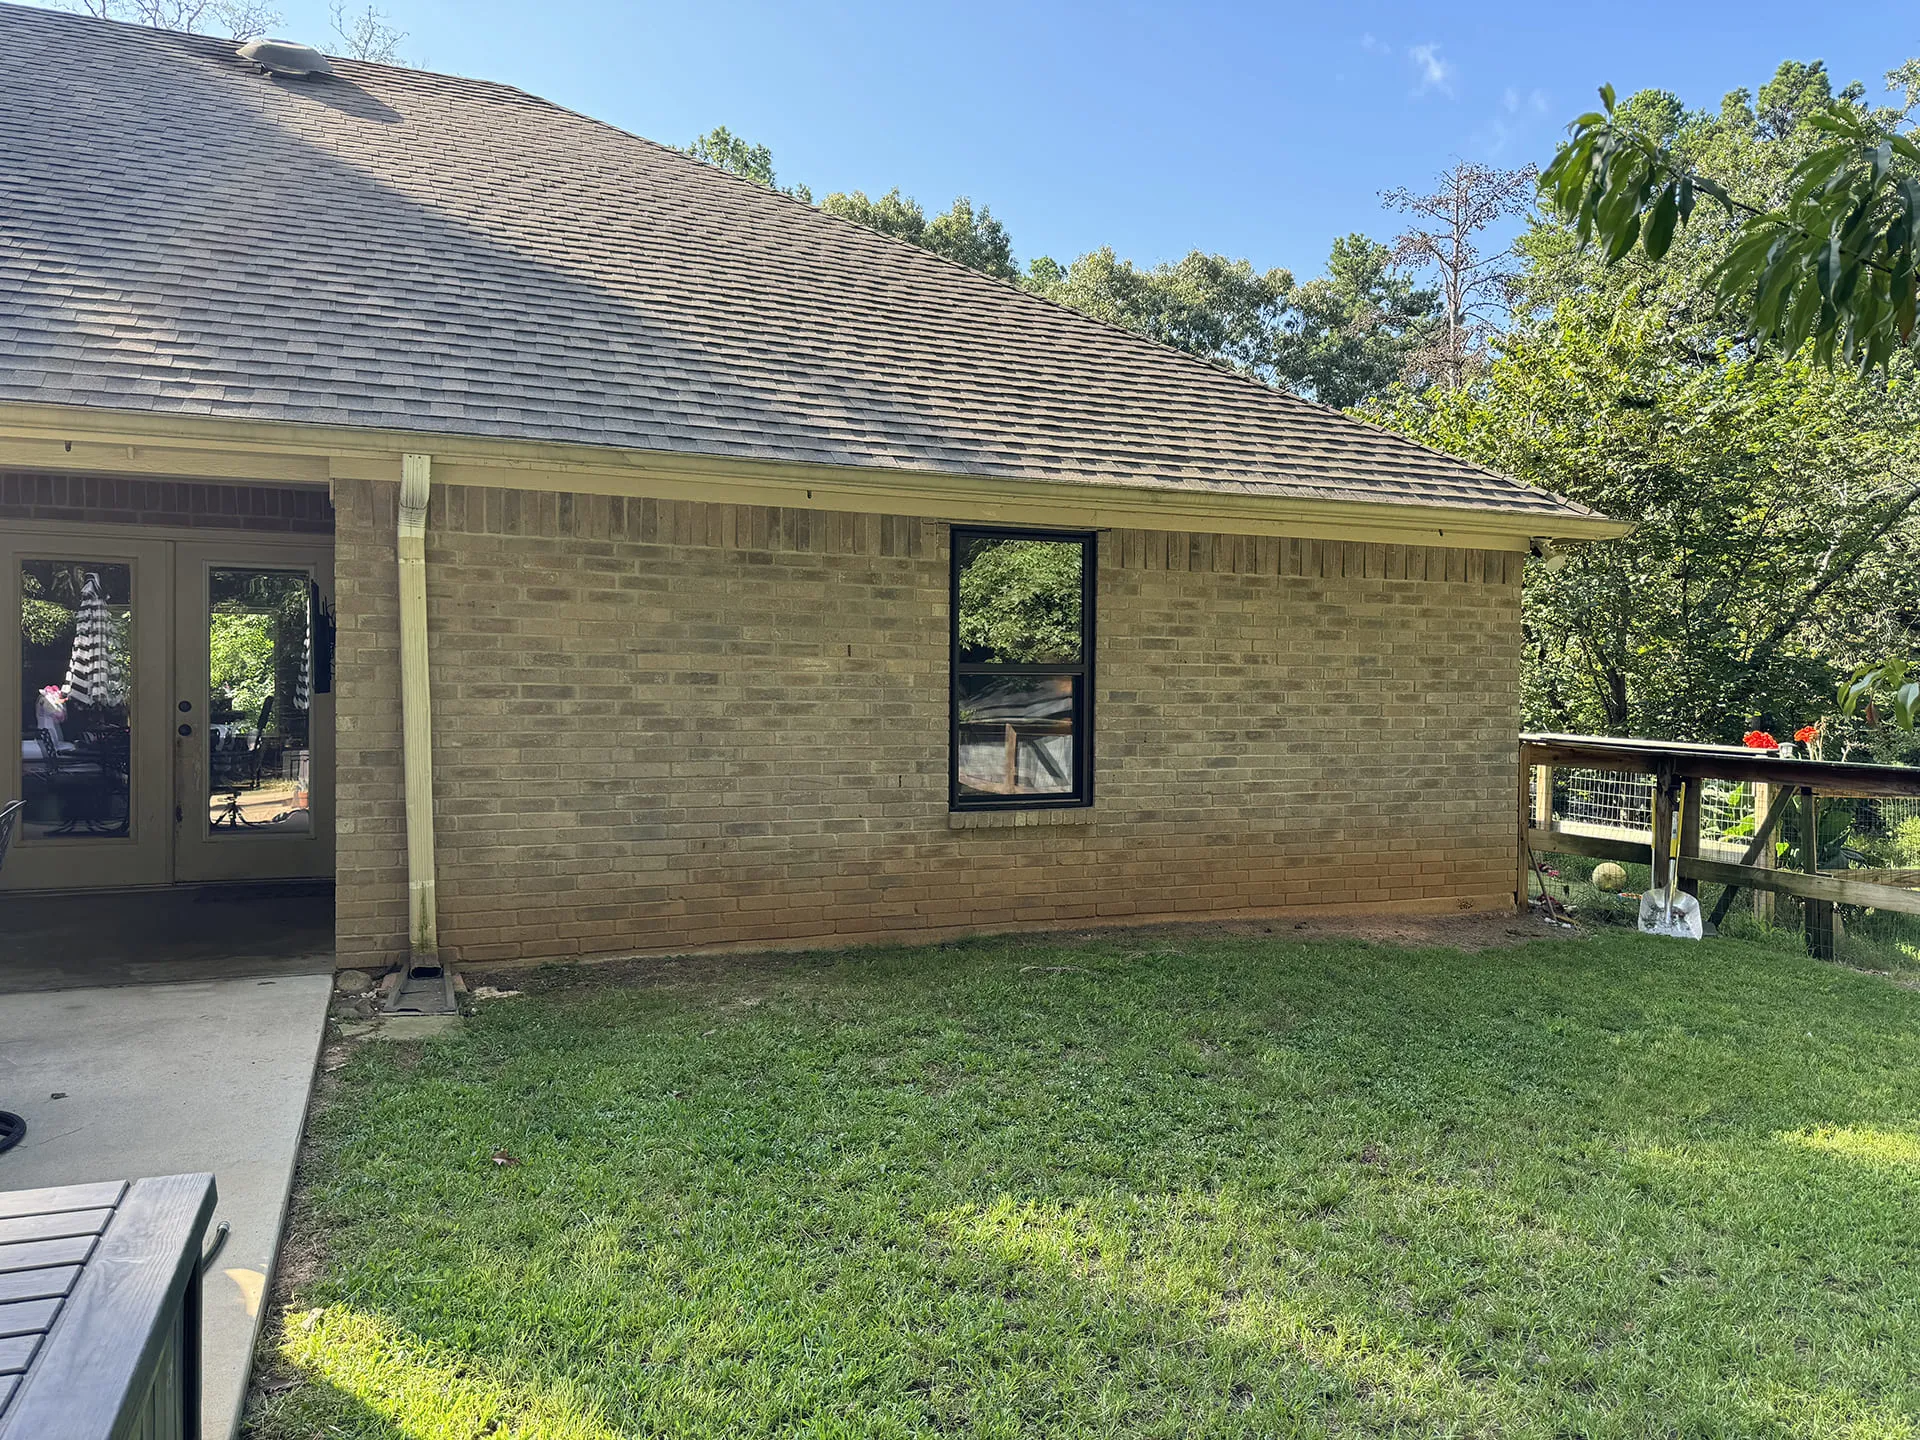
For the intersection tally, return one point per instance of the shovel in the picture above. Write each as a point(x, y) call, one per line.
point(1669, 910)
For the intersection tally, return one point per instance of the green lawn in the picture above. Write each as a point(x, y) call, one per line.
point(1155, 1185)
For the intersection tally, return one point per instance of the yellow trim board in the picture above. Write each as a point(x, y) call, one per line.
point(55, 437)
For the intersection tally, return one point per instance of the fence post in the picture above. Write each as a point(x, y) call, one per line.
point(1819, 912)
point(1543, 797)
point(1690, 831)
point(1664, 784)
point(1522, 867)
point(1763, 899)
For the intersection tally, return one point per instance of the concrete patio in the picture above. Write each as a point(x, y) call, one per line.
point(139, 1074)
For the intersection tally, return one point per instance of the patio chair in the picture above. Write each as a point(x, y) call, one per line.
point(81, 785)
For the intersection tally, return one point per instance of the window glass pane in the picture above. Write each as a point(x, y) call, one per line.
point(1020, 602)
point(1017, 734)
point(76, 696)
point(259, 710)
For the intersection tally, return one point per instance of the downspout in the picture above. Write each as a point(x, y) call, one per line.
point(425, 985)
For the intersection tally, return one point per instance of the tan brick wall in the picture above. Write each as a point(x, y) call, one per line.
point(124, 500)
point(666, 724)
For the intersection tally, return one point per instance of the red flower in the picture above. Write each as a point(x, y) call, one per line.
point(1759, 740)
point(1807, 734)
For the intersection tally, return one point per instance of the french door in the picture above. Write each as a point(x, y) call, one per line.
point(253, 734)
point(175, 720)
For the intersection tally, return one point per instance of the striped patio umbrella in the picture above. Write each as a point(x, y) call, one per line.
point(303, 682)
point(97, 671)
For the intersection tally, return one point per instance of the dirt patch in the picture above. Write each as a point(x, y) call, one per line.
point(1484, 930)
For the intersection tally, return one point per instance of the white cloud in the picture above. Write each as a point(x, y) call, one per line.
point(1435, 73)
point(1510, 127)
point(1373, 45)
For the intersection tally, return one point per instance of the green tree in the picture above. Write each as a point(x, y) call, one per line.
point(1826, 258)
point(1020, 600)
point(724, 150)
point(1775, 498)
point(1352, 335)
point(1206, 305)
point(241, 655)
point(971, 237)
point(1806, 246)
point(1775, 507)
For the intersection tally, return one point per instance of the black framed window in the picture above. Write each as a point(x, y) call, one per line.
point(1022, 691)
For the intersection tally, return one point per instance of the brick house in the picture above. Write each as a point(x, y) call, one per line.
point(572, 549)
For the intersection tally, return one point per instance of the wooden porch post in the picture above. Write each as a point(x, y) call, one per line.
point(1819, 912)
point(1690, 832)
point(1763, 899)
point(1522, 813)
point(1665, 786)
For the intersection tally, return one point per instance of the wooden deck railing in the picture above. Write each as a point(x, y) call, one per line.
point(1678, 772)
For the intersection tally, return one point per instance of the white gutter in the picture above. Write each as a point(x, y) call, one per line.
point(416, 712)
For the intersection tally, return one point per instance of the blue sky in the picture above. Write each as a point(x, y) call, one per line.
point(1257, 130)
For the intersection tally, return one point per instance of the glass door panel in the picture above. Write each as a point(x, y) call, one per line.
point(77, 710)
point(86, 658)
point(259, 705)
point(254, 739)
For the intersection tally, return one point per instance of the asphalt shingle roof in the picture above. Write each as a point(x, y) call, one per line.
point(389, 248)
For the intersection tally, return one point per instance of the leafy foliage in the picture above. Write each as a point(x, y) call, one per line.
point(1831, 262)
point(1899, 680)
point(973, 238)
point(1777, 500)
point(1775, 505)
point(1346, 337)
point(242, 657)
point(1205, 304)
point(1357, 332)
point(1020, 601)
point(724, 150)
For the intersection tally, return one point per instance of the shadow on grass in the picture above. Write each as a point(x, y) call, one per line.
point(1210, 1189)
point(313, 1406)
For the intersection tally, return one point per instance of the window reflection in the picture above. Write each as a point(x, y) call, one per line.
point(1020, 601)
point(76, 695)
point(259, 720)
point(1021, 619)
point(1016, 734)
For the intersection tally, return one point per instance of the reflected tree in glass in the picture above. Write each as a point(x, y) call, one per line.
point(1020, 641)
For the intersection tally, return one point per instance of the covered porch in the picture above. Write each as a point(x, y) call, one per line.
point(168, 1032)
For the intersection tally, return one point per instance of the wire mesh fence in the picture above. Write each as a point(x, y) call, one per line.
point(1883, 831)
point(1864, 852)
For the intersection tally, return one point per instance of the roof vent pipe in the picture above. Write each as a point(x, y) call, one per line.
point(285, 57)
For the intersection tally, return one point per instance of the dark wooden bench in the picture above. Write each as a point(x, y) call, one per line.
point(100, 1309)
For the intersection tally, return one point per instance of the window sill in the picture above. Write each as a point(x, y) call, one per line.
point(1013, 819)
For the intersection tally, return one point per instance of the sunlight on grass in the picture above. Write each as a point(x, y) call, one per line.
point(1226, 1189)
point(1864, 1143)
point(361, 1364)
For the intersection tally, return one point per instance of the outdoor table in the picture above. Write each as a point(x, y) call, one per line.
point(100, 1309)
